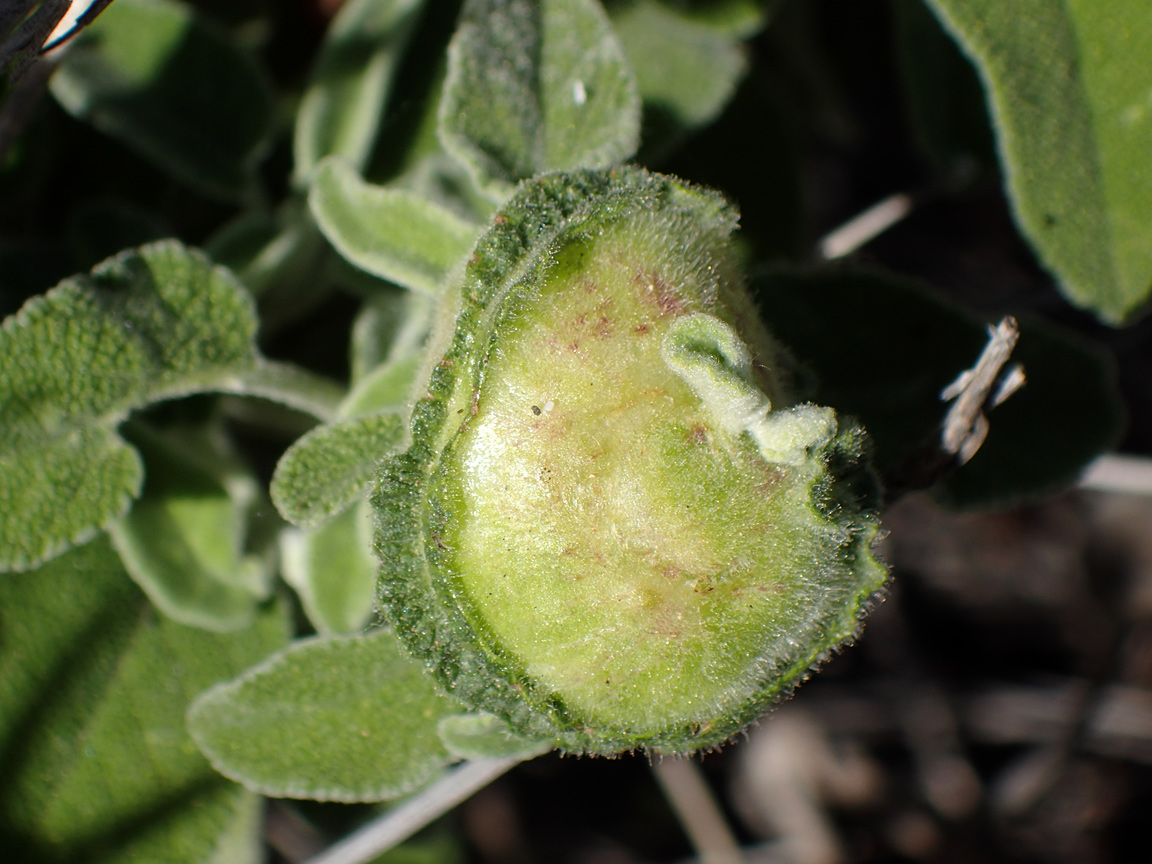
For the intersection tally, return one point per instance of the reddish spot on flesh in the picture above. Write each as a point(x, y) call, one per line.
point(656, 290)
point(603, 326)
point(772, 478)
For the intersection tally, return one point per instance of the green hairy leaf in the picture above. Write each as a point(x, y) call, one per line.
point(388, 333)
point(97, 762)
point(536, 86)
point(684, 68)
point(183, 539)
point(478, 735)
point(147, 325)
point(1068, 86)
point(389, 386)
point(178, 90)
point(333, 466)
point(562, 453)
point(335, 719)
point(333, 569)
point(344, 104)
point(391, 233)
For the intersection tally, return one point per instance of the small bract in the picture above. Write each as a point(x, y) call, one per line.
point(615, 526)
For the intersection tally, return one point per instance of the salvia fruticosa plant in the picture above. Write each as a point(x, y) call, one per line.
point(603, 472)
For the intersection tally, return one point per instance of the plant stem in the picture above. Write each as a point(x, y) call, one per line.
point(866, 226)
point(697, 810)
point(1114, 473)
point(399, 824)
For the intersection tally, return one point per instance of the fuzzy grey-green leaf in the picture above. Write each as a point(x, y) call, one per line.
point(1068, 85)
point(183, 540)
point(344, 104)
point(684, 68)
point(332, 466)
point(537, 85)
point(477, 735)
point(391, 233)
point(389, 386)
point(92, 702)
point(333, 569)
point(335, 719)
point(149, 324)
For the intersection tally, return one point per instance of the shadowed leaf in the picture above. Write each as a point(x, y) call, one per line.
point(96, 761)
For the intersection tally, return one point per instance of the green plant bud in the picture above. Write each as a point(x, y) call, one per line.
point(615, 527)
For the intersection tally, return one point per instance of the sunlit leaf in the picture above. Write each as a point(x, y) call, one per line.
point(150, 324)
point(684, 68)
point(391, 326)
point(537, 85)
point(333, 569)
point(387, 386)
point(337, 719)
point(334, 465)
point(391, 233)
point(183, 539)
point(344, 104)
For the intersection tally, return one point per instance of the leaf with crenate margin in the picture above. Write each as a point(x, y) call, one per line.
point(335, 719)
point(1070, 90)
point(534, 86)
point(150, 324)
point(97, 764)
point(333, 466)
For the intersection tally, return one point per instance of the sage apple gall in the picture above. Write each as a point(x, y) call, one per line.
point(617, 525)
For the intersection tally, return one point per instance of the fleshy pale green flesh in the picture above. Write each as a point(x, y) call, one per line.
point(641, 544)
